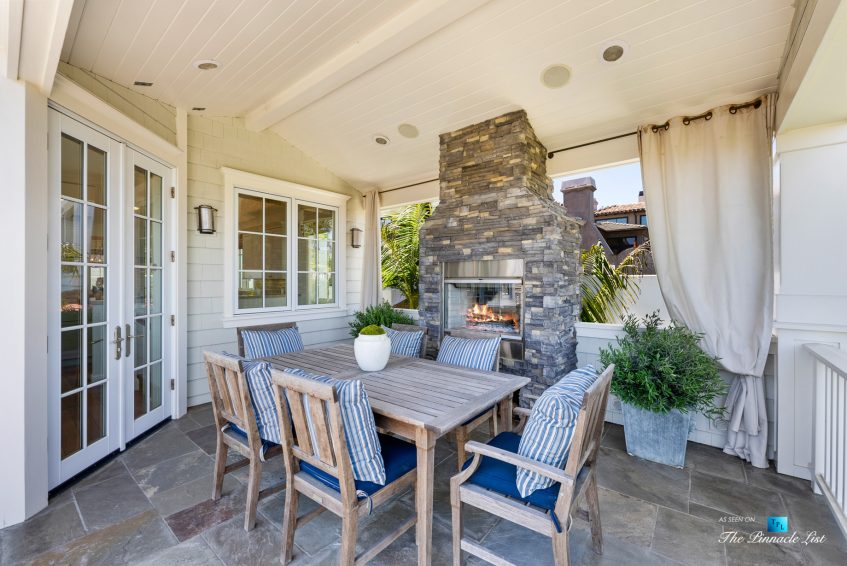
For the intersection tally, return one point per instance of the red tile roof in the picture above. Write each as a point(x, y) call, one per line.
point(621, 209)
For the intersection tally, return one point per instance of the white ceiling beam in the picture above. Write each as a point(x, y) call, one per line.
point(420, 20)
point(11, 23)
point(45, 23)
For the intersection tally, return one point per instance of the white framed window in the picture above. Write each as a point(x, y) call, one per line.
point(283, 250)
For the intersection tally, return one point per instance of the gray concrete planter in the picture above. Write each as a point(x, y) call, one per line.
point(409, 312)
point(656, 437)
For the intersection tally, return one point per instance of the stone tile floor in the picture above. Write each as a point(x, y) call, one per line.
point(150, 505)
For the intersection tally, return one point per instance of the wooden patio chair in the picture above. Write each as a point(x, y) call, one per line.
point(463, 431)
point(414, 328)
point(324, 473)
point(235, 424)
point(241, 329)
point(578, 478)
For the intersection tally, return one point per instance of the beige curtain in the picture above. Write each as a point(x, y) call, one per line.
point(708, 191)
point(372, 263)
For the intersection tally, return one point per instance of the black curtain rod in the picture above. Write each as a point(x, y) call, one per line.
point(405, 186)
point(553, 153)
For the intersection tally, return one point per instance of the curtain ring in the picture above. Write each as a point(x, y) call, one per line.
point(733, 109)
point(686, 121)
point(708, 115)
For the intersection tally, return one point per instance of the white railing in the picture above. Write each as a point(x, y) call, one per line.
point(831, 427)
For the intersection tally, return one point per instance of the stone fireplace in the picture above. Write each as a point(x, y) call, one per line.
point(499, 255)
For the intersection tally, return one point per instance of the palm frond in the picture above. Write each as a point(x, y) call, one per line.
point(607, 290)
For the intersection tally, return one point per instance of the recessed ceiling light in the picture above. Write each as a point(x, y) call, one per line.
point(206, 64)
point(555, 76)
point(142, 83)
point(199, 108)
point(381, 139)
point(407, 130)
point(612, 51)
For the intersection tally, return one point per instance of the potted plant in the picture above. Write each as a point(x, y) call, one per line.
point(381, 315)
point(661, 377)
point(372, 348)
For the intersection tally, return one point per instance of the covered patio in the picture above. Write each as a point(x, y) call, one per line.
point(219, 168)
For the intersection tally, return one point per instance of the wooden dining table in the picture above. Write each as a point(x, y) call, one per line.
point(420, 401)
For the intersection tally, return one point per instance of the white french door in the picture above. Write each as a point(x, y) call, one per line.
point(109, 342)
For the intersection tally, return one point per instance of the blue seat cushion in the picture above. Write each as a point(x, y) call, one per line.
point(400, 457)
point(500, 477)
point(242, 435)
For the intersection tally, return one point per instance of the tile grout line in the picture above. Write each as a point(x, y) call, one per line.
point(78, 512)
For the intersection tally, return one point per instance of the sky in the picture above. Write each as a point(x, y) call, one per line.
point(615, 185)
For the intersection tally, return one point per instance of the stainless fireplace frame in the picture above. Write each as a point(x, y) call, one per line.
point(487, 271)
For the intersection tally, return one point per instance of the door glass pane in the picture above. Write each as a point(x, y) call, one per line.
point(97, 353)
point(306, 255)
point(250, 251)
point(140, 342)
point(139, 392)
point(250, 290)
point(155, 385)
point(96, 413)
point(306, 288)
point(71, 417)
point(275, 290)
point(71, 299)
point(96, 244)
point(71, 167)
point(140, 291)
point(96, 176)
point(71, 231)
point(249, 213)
point(155, 196)
point(307, 219)
point(156, 244)
point(276, 217)
point(155, 325)
point(71, 360)
point(96, 294)
point(155, 291)
point(140, 241)
point(140, 207)
point(326, 224)
point(275, 253)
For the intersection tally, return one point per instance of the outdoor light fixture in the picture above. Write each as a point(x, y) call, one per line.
point(206, 218)
point(356, 237)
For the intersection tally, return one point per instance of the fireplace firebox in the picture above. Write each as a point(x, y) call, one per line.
point(486, 296)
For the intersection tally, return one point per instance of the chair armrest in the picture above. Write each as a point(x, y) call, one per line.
point(523, 417)
point(545, 470)
point(522, 412)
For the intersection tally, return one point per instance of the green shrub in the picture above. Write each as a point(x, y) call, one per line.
point(372, 330)
point(662, 368)
point(379, 315)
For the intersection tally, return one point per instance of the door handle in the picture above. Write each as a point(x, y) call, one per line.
point(117, 342)
point(129, 338)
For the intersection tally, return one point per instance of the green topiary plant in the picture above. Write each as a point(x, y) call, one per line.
point(372, 330)
point(379, 315)
point(663, 368)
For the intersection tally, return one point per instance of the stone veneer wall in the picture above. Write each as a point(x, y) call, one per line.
point(496, 203)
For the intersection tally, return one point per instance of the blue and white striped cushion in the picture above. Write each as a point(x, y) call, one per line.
point(264, 343)
point(473, 353)
point(359, 426)
point(258, 376)
point(405, 342)
point(549, 431)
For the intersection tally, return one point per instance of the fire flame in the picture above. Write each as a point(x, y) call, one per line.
point(483, 313)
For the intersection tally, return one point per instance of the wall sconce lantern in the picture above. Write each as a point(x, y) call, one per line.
point(356, 237)
point(206, 218)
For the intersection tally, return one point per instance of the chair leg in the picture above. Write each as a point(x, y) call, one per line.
point(289, 522)
point(221, 453)
point(253, 492)
point(593, 500)
point(456, 504)
point(494, 423)
point(560, 548)
point(461, 439)
point(349, 531)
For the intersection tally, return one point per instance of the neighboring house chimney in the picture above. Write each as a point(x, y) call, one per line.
point(641, 196)
point(579, 200)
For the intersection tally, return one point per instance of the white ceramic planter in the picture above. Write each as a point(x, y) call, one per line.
point(372, 352)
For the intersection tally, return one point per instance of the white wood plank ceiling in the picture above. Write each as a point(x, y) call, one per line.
point(328, 75)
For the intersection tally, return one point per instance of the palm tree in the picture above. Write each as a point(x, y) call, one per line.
point(401, 249)
point(608, 290)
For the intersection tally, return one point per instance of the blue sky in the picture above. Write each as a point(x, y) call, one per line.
point(615, 185)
